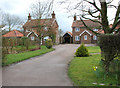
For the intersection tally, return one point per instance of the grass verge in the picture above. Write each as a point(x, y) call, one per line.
point(81, 70)
point(14, 58)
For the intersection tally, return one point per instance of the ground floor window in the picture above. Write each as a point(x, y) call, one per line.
point(94, 37)
point(85, 37)
point(77, 38)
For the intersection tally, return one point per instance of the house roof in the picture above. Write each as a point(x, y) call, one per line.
point(33, 33)
point(13, 33)
point(101, 32)
point(89, 23)
point(87, 32)
point(68, 33)
point(44, 22)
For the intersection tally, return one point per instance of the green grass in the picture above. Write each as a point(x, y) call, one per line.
point(82, 74)
point(81, 70)
point(93, 49)
point(13, 58)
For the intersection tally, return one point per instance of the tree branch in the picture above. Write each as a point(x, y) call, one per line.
point(91, 13)
point(92, 20)
point(116, 19)
point(88, 27)
point(94, 4)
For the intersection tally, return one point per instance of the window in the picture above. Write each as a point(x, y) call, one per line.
point(77, 38)
point(77, 29)
point(32, 38)
point(27, 31)
point(85, 37)
point(94, 37)
point(45, 28)
point(95, 29)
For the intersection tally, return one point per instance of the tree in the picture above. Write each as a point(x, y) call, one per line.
point(41, 10)
point(97, 11)
point(11, 21)
point(60, 33)
point(2, 18)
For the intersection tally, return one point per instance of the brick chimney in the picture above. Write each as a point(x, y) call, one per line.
point(29, 17)
point(53, 15)
point(75, 17)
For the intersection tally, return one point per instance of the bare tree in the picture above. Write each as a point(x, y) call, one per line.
point(60, 33)
point(11, 21)
point(1, 18)
point(39, 11)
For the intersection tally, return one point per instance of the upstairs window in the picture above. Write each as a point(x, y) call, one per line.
point(85, 37)
point(77, 29)
point(45, 28)
point(95, 29)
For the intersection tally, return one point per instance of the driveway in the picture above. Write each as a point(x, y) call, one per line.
point(47, 70)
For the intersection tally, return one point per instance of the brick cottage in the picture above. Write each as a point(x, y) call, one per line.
point(31, 28)
point(81, 34)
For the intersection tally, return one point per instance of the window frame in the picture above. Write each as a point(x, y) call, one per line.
point(77, 38)
point(94, 37)
point(95, 29)
point(32, 38)
point(85, 37)
point(45, 28)
point(77, 29)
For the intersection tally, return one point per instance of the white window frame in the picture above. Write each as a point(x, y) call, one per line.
point(85, 37)
point(32, 38)
point(95, 29)
point(77, 38)
point(46, 28)
point(94, 37)
point(77, 29)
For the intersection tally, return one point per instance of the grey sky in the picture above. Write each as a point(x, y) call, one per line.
point(21, 8)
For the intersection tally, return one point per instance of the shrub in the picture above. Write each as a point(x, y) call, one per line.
point(26, 42)
point(110, 47)
point(48, 43)
point(82, 51)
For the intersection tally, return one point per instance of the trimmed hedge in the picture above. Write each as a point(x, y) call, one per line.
point(48, 43)
point(110, 47)
point(82, 51)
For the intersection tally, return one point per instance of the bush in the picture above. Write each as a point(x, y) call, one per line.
point(110, 47)
point(48, 43)
point(82, 51)
point(26, 42)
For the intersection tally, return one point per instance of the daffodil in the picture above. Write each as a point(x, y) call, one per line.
point(94, 68)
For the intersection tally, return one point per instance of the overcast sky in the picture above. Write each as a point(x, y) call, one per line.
point(21, 8)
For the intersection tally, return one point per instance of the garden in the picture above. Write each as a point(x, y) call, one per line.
point(88, 68)
point(18, 49)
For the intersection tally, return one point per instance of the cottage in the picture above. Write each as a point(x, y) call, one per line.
point(81, 34)
point(31, 28)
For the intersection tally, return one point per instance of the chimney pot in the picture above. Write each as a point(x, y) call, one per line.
point(29, 17)
point(53, 15)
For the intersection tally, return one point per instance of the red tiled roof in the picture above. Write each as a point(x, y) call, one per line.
point(34, 22)
point(13, 33)
point(101, 31)
point(69, 33)
point(89, 23)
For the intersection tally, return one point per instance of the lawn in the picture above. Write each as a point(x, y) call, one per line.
point(81, 70)
point(13, 58)
point(93, 49)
